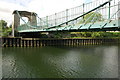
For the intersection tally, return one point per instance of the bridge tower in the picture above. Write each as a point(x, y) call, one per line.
point(16, 21)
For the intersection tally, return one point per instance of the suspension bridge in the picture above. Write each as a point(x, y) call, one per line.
point(99, 15)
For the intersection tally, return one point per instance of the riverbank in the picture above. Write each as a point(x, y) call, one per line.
point(37, 42)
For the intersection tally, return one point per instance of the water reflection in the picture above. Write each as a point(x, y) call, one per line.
point(0, 63)
point(60, 62)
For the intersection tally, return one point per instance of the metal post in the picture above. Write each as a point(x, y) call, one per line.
point(55, 19)
point(83, 12)
point(47, 21)
point(66, 16)
point(109, 11)
point(119, 10)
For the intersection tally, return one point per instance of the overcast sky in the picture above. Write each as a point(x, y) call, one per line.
point(41, 7)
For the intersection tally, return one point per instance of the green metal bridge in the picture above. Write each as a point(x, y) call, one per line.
point(100, 15)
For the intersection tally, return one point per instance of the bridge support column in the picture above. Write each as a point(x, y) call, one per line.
point(18, 15)
point(32, 19)
point(16, 23)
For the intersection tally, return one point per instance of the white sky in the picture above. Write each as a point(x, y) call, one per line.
point(41, 7)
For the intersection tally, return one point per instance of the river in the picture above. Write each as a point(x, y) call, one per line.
point(61, 62)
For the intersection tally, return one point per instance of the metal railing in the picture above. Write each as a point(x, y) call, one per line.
point(68, 14)
point(75, 15)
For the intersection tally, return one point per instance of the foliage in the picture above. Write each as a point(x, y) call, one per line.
point(6, 32)
point(116, 34)
point(92, 17)
point(101, 34)
point(3, 24)
point(59, 35)
point(86, 34)
point(4, 29)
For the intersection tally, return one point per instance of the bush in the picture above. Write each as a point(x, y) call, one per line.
point(96, 34)
point(116, 34)
point(86, 34)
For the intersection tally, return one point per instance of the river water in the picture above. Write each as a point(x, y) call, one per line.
point(61, 62)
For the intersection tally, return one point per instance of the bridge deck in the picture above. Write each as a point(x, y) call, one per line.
point(94, 22)
point(113, 24)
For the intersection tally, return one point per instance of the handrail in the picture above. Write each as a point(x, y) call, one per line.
point(42, 20)
point(114, 13)
point(83, 14)
point(110, 19)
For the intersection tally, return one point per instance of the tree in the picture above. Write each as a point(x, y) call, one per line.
point(92, 17)
point(4, 29)
point(3, 24)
